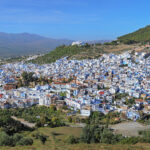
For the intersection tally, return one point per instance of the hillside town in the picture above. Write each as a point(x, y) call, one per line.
point(111, 83)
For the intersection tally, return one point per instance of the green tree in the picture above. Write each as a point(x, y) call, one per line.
point(43, 138)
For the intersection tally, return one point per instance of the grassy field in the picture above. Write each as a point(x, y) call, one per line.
point(56, 137)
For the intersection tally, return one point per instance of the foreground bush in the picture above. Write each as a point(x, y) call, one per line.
point(71, 140)
point(41, 137)
point(25, 141)
point(6, 140)
point(130, 140)
point(96, 134)
point(16, 139)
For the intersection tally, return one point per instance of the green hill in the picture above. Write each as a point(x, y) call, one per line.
point(140, 36)
point(88, 51)
point(73, 52)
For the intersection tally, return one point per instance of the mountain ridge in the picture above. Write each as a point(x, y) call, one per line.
point(20, 44)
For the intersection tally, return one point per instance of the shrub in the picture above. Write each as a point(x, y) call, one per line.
point(6, 140)
point(96, 134)
point(70, 119)
point(71, 140)
point(36, 135)
point(17, 137)
point(130, 140)
point(43, 138)
point(25, 141)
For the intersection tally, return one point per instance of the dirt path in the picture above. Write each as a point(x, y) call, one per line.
point(31, 125)
point(129, 128)
point(78, 125)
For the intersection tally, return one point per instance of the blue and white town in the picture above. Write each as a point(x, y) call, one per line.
point(106, 84)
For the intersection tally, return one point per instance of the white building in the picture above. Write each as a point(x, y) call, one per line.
point(85, 112)
point(77, 43)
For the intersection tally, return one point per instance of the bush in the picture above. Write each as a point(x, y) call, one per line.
point(43, 138)
point(71, 140)
point(17, 137)
point(91, 134)
point(107, 137)
point(25, 141)
point(11, 126)
point(96, 134)
point(70, 119)
point(36, 135)
point(145, 136)
point(38, 124)
point(6, 140)
point(130, 140)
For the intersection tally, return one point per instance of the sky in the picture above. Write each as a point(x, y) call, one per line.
point(74, 19)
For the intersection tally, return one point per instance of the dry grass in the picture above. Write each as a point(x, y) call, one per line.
point(56, 138)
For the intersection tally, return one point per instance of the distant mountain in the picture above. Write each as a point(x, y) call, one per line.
point(140, 36)
point(12, 45)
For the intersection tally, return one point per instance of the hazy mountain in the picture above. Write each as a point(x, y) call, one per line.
point(25, 44)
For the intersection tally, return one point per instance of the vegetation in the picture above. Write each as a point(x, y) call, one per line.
point(42, 137)
point(130, 102)
point(96, 134)
point(87, 51)
point(99, 118)
point(11, 126)
point(140, 36)
point(111, 43)
point(12, 59)
point(145, 136)
point(28, 79)
point(145, 118)
point(121, 95)
point(16, 139)
point(57, 141)
point(10, 131)
point(41, 116)
point(125, 65)
point(62, 51)
point(13, 133)
point(71, 139)
point(147, 55)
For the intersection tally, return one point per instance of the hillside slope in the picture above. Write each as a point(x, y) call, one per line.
point(140, 36)
point(13, 45)
point(88, 51)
